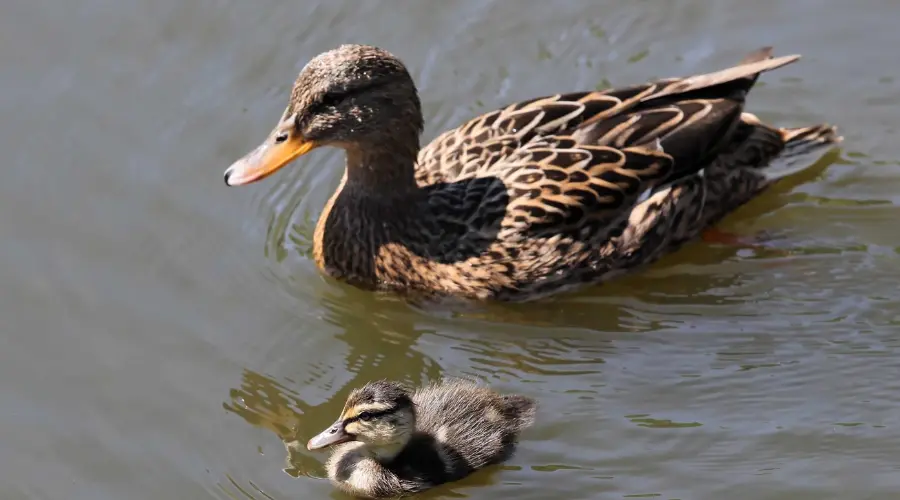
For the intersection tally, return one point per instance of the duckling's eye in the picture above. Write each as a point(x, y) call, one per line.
point(366, 416)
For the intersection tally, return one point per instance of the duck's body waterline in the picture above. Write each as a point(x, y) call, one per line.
point(537, 198)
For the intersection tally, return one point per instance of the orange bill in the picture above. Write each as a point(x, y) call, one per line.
point(282, 146)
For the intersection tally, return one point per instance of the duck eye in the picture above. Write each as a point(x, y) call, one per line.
point(365, 416)
point(331, 99)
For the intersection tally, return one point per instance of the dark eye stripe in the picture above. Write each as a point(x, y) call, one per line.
point(336, 97)
point(372, 414)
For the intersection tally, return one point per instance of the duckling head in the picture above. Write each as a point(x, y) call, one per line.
point(381, 415)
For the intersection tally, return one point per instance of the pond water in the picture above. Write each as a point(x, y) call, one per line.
point(164, 335)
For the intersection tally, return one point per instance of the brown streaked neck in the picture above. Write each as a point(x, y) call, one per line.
point(386, 169)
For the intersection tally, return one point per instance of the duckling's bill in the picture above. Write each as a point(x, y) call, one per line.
point(280, 148)
point(330, 437)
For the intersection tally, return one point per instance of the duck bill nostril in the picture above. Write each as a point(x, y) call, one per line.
point(329, 437)
point(268, 157)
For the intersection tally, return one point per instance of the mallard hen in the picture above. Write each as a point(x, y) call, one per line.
point(535, 198)
point(390, 442)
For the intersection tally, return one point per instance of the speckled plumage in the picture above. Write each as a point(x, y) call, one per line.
point(536, 198)
point(415, 441)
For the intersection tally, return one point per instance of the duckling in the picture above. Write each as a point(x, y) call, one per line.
point(392, 442)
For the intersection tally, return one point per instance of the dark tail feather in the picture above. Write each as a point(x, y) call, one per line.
point(777, 152)
point(803, 147)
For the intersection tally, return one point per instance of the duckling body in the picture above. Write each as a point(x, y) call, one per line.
point(390, 442)
point(533, 199)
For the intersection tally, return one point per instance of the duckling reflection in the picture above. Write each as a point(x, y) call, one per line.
point(392, 442)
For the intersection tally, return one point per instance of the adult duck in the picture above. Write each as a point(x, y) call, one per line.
point(535, 198)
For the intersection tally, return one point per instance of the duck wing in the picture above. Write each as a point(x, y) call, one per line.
point(619, 117)
point(571, 162)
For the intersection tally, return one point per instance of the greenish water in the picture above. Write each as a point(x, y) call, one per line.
point(163, 335)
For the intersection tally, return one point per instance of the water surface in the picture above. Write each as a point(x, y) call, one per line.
point(163, 336)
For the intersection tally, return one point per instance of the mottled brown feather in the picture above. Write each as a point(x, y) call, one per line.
point(540, 196)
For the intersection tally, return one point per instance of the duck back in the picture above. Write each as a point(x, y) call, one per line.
point(468, 426)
